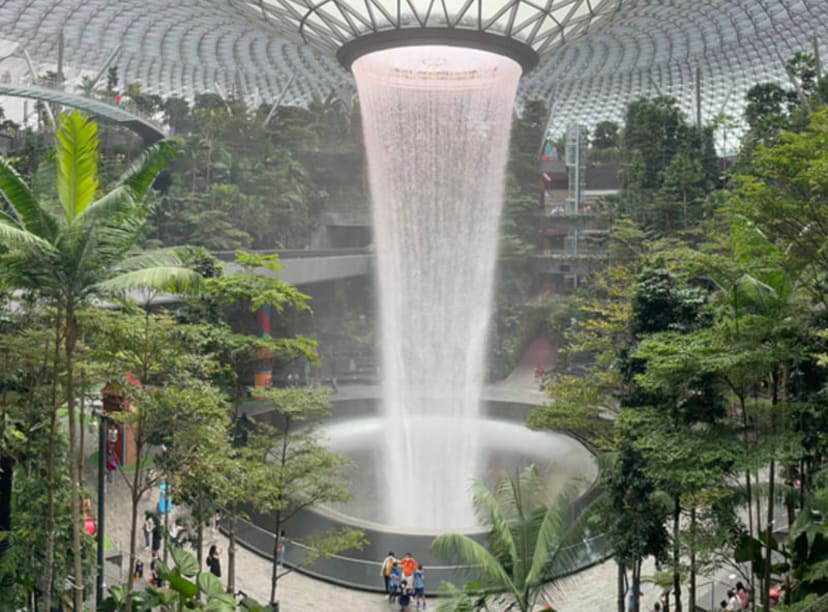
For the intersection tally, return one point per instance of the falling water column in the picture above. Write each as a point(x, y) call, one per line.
point(436, 122)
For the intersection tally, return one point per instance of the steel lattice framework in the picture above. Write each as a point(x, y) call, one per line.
point(329, 25)
point(595, 55)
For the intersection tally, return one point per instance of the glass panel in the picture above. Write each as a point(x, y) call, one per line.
point(526, 18)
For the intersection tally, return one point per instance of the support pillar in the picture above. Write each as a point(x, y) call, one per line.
point(264, 366)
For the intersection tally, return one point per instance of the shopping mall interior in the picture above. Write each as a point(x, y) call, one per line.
point(462, 304)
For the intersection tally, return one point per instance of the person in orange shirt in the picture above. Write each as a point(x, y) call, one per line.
point(409, 564)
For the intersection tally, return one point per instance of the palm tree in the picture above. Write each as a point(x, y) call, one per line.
point(79, 247)
point(530, 541)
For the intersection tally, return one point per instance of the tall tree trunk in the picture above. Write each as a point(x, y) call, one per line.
point(620, 587)
point(231, 548)
point(70, 341)
point(135, 498)
point(636, 585)
point(274, 579)
point(49, 563)
point(746, 443)
point(691, 604)
point(82, 430)
point(6, 475)
point(676, 552)
point(758, 504)
point(768, 548)
point(779, 380)
point(6, 479)
point(199, 515)
point(166, 522)
point(748, 486)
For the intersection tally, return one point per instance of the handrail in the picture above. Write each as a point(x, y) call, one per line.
point(378, 564)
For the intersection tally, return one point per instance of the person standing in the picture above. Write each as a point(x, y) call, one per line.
point(148, 527)
point(385, 570)
point(405, 596)
point(394, 582)
point(733, 602)
point(742, 594)
point(156, 537)
point(280, 549)
point(154, 577)
point(214, 561)
point(174, 533)
point(111, 466)
point(419, 587)
point(409, 564)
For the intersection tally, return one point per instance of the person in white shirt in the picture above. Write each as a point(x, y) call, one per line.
point(733, 601)
point(385, 570)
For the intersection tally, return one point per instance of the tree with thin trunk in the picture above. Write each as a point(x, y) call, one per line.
point(634, 516)
point(74, 245)
point(145, 361)
point(300, 472)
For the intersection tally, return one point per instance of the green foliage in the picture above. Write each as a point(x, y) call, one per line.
point(660, 303)
point(241, 183)
point(784, 193)
point(633, 513)
point(711, 342)
point(529, 543)
point(668, 166)
point(298, 471)
point(605, 135)
point(528, 132)
point(184, 588)
point(654, 128)
point(766, 111)
point(808, 542)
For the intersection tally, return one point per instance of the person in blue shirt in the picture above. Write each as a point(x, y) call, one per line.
point(394, 582)
point(419, 586)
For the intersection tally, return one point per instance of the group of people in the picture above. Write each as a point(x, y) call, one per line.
point(404, 580)
point(737, 599)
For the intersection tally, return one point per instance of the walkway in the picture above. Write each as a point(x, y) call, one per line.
point(146, 128)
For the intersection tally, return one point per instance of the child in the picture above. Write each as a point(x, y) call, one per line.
point(394, 582)
point(419, 586)
point(405, 596)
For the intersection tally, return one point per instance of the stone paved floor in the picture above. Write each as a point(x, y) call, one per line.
point(592, 590)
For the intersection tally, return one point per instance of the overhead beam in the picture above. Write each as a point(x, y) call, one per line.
point(106, 64)
point(33, 72)
point(278, 101)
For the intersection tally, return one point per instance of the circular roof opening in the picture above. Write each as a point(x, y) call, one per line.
point(521, 29)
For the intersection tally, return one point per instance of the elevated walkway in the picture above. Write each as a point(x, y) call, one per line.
point(305, 267)
point(122, 114)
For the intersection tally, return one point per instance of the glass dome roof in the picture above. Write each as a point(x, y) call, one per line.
point(328, 25)
point(601, 56)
